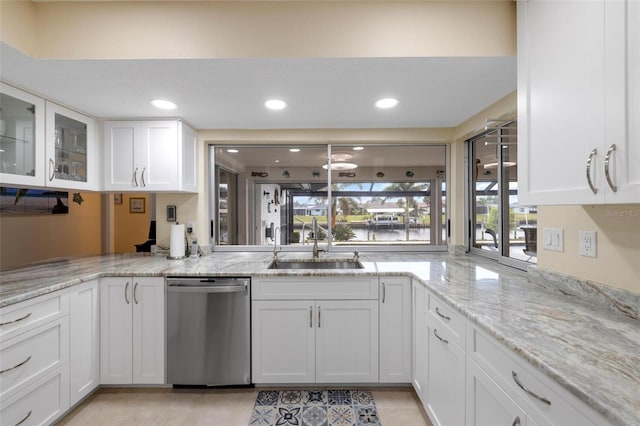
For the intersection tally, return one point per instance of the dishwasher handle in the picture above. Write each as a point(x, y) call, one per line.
point(185, 288)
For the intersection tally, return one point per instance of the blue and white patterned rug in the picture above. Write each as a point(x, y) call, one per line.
point(314, 408)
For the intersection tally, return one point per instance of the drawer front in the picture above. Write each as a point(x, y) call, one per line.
point(307, 287)
point(445, 317)
point(34, 353)
point(501, 365)
point(41, 403)
point(23, 316)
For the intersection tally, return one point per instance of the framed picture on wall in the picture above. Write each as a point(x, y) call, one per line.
point(136, 205)
point(117, 198)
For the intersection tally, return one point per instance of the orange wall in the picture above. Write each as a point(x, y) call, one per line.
point(130, 228)
point(27, 239)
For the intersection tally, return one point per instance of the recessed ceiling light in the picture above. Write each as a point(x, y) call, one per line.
point(386, 103)
point(294, 150)
point(163, 104)
point(277, 161)
point(275, 104)
point(358, 148)
point(341, 166)
point(233, 151)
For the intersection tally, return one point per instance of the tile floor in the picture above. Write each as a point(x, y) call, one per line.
point(228, 407)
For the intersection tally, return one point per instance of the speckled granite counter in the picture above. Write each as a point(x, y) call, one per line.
point(590, 349)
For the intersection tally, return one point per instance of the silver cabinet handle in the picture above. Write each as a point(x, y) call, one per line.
point(310, 316)
point(135, 297)
point(24, 419)
point(442, 315)
point(384, 292)
point(435, 332)
point(516, 421)
point(126, 287)
point(521, 386)
point(16, 320)
point(52, 169)
point(135, 177)
point(142, 177)
point(606, 167)
point(589, 160)
point(16, 366)
point(318, 316)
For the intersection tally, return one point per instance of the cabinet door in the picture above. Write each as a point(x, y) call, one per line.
point(115, 330)
point(395, 330)
point(347, 341)
point(622, 101)
point(22, 138)
point(487, 403)
point(189, 165)
point(446, 386)
point(71, 149)
point(283, 341)
point(560, 101)
point(157, 156)
point(120, 137)
point(420, 342)
point(148, 298)
point(84, 340)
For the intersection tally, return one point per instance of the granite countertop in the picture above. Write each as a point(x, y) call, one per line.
point(589, 348)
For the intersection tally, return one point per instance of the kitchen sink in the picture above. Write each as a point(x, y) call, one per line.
point(316, 264)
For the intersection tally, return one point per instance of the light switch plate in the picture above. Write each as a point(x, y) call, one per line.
point(587, 243)
point(553, 239)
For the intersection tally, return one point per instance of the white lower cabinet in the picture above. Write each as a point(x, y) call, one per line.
point(315, 341)
point(132, 330)
point(395, 329)
point(488, 404)
point(283, 341)
point(420, 342)
point(347, 341)
point(446, 378)
point(40, 403)
point(84, 338)
point(314, 330)
point(34, 360)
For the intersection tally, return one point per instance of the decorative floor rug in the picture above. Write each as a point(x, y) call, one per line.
point(314, 408)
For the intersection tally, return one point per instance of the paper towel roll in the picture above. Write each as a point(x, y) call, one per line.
point(176, 244)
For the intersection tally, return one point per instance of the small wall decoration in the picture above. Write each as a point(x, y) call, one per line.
point(20, 201)
point(136, 205)
point(315, 174)
point(77, 198)
point(117, 198)
point(286, 174)
point(380, 175)
point(259, 174)
point(347, 174)
point(408, 174)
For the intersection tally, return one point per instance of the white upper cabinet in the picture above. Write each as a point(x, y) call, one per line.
point(22, 131)
point(71, 149)
point(150, 156)
point(578, 102)
point(43, 144)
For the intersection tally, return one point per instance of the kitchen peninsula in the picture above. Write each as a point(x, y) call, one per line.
point(588, 350)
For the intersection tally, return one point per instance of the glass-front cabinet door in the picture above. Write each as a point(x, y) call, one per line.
point(70, 149)
point(22, 135)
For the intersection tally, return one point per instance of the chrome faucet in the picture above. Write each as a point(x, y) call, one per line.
point(275, 243)
point(314, 229)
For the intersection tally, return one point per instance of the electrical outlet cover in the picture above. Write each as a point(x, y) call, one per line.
point(587, 243)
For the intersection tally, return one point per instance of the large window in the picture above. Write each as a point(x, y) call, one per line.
point(374, 196)
point(499, 226)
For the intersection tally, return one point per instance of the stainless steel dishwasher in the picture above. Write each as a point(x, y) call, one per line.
point(208, 331)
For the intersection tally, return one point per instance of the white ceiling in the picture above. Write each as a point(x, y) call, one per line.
point(229, 93)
